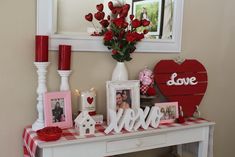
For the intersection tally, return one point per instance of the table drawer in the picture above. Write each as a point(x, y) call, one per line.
point(137, 143)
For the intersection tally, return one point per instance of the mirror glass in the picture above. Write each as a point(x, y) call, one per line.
point(71, 13)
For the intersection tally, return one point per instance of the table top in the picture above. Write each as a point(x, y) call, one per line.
point(70, 136)
point(73, 136)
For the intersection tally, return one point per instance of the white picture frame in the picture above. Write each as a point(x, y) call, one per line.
point(47, 25)
point(113, 89)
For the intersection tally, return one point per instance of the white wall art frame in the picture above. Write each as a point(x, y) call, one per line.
point(47, 25)
point(113, 88)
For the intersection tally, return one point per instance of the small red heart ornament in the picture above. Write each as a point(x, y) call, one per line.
point(110, 5)
point(100, 7)
point(99, 15)
point(145, 22)
point(89, 17)
point(185, 83)
point(90, 100)
point(132, 17)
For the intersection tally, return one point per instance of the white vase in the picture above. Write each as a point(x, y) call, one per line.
point(120, 72)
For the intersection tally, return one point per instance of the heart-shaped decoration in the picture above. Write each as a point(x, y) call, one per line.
point(132, 17)
point(89, 17)
point(100, 7)
point(185, 83)
point(145, 22)
point(110, 5)
point(90, 100)
point(99, 15)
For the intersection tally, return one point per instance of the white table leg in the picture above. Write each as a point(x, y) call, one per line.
point(180, 150)
point(203, 145)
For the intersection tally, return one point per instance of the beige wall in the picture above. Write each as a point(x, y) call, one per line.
point(208, 35)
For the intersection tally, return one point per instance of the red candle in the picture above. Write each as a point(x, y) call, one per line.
point(64, 57)
point(41, 49)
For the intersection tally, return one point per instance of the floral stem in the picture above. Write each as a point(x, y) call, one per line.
point(94, 27)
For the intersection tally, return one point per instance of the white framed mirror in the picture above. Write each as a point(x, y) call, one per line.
point(55, 20)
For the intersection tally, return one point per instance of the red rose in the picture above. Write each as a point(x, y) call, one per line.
point(145, 22)
point(139, 36)
point(108, 36)
point(136, 23)
point(130, 37)
point(119, 22)
point(121, 34)
point(104, 23)
point(114, 52)
point(125, 24)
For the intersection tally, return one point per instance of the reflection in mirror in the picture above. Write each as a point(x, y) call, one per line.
point(70, 16)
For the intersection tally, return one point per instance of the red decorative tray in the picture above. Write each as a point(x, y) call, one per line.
point(49, 133)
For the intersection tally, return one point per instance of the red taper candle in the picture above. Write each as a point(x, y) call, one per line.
point(41, 48)
point(64, 57)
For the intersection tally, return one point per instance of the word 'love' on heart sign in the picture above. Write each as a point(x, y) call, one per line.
point(185, 83)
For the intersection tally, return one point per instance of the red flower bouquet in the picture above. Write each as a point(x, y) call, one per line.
point(119, 31)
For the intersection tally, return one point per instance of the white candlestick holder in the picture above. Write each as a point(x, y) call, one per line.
point(41, 89)
point(64, 84)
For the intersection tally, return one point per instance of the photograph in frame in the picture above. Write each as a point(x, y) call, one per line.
point(122, 94)
point(169, 110)
point(57, 109)
point(149, 10)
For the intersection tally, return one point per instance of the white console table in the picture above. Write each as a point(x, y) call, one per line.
point(100, 145)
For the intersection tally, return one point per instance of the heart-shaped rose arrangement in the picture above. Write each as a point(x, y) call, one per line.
point(185, 83)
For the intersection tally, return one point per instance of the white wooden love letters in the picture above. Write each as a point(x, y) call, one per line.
point(132, 119)
point(181, 81)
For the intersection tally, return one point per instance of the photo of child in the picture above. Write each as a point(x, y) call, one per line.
point(57, 106)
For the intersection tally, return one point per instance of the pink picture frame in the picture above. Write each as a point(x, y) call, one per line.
point(169, 110)
point(58, 109)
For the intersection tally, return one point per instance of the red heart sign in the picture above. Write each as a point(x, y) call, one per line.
point(185, 83)
point(90, 100)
